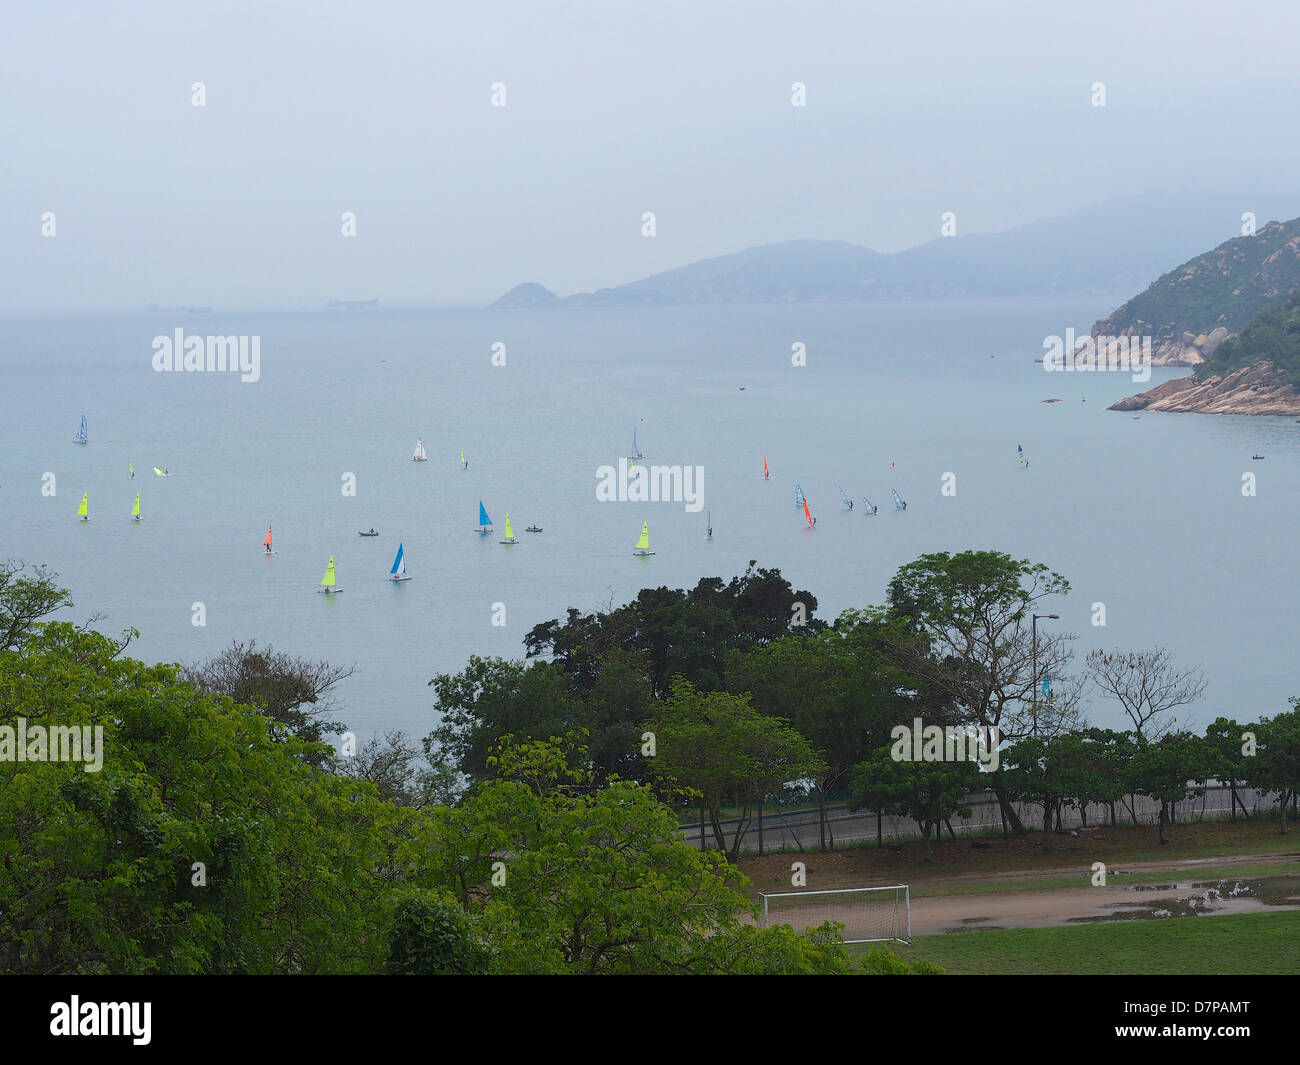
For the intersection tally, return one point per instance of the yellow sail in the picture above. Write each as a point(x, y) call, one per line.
point(83, 511)
point(135, 507)
point(329, 580)
point(510, 533)
point(643, 544)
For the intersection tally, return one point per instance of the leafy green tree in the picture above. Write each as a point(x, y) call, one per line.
point(1044, 772)
point(717, 745)
point(202, 844)
point(962, 626)
point(1224, 741)
point(1276, 764)
point(930, 793)
point(598, 880)
point(432, 936)
point(837, 689)
point(1171, 769)
point(492, 698)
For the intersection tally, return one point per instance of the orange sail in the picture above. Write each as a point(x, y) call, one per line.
point(267, 541)
point(807, 513)
point(765, 472)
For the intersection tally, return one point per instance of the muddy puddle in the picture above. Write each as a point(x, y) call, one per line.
point(1194, 898)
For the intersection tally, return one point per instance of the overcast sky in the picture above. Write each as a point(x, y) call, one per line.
point(681, 107)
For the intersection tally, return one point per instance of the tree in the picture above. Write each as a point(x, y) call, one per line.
point(1044, 771)
point(1169, 769)
point(718, 745)
point(598, 880)
point(202, 844)
point(293, 693)
point(432, 936)
point(492, 698)
point(1224, 740)
point(837, 689)
point(962, 627)
point(930, 793)
point(25, 601)
point(1146, 684)
point(1276, 764)
point(391, 764)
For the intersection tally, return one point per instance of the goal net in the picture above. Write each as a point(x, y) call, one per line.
point(868, 914)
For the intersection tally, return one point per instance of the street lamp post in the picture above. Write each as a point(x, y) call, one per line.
point(1033, 626)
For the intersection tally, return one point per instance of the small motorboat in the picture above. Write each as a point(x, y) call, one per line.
point(533, 528)
point(1256, 456)
point(370, 533)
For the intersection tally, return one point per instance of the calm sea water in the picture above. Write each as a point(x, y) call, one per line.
point(1144, 515)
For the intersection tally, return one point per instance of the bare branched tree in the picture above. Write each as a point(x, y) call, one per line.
point(1146, 684)
point(26, 598)
point(293, 692)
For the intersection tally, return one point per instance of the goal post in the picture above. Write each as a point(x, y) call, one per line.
point(868, 914)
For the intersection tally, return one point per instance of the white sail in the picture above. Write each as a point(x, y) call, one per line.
point(419, 455)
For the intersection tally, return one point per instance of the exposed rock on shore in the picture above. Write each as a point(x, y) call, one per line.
point(1253, 389)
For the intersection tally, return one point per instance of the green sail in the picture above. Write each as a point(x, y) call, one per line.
point(84, 510)
point(510, 533)
point(135, 507)
point(643, 544)
point(329, 579)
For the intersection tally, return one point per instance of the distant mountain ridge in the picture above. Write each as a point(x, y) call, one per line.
point(1102, 248)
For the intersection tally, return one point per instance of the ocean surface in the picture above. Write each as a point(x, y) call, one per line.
point(1145, 515)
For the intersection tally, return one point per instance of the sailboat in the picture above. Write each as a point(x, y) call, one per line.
point(464, 463)
point(766, 472)
point(420, 455)
point(847, 501)
point(484, 522)
point(643, 544)
point(131, 468)
point(708, 523)
point(510, 533)
point(81, 436)
point(636, 451)
point(267, 542)
point(869, 507)
point(83, 511)
point(899, 502)
point(135, 508)
point(798, 496)
point(808, 515)
point(398, 572)
point(329, 583)
point(1024, 462)
point(161, 473)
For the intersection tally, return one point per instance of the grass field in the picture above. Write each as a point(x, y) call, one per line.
point(1242, 944)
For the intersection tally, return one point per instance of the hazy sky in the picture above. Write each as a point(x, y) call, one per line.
point(681, 107)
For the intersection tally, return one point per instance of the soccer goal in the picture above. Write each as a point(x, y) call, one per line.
point(868, 914)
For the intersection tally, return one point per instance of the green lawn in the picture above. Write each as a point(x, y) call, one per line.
point(1251, 943)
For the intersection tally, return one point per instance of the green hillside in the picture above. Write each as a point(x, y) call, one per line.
point(1273, 336)
point(1224, 287)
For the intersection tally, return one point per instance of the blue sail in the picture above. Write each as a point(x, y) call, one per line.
point(483, 518)
point(798, 496)
point(81, 431)
point(397, 562)
point(847, 501)
point(898, 500)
